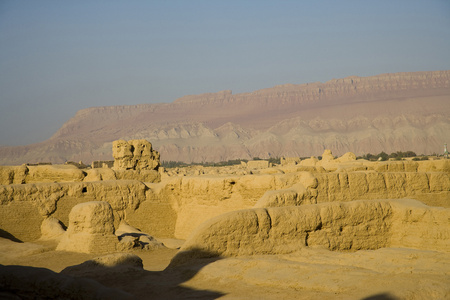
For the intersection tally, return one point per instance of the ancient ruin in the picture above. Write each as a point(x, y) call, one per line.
point(385, 222)
point(135, 155)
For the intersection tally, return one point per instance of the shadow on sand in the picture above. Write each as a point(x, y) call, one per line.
point(9, 236)
point(382, 296)
point(129, 281)
point(166, 284)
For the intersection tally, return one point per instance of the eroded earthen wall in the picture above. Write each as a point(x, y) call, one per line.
point(353, 225)
point(176, 206)
point(345, 186)
point(24, 207)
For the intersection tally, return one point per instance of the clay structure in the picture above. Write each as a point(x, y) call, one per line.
point(135, 155)
point(260, 229)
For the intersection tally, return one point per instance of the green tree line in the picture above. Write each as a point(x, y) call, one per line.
point(231, 162)
point(399, 155)
point(383, 156)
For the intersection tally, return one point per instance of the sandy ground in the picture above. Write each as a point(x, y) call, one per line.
point(311, 273)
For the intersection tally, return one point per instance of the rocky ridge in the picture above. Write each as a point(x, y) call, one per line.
point(387, 112)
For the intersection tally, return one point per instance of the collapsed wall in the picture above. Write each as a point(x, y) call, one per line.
point(25, 206)
point(134, 159)
point(208, 196)
point(178, 204)
point(351, 225)
point(69, 173)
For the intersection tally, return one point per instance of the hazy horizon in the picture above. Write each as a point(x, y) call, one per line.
point(59, 57)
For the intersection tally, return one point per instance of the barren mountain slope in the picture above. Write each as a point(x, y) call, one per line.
point(388, 112)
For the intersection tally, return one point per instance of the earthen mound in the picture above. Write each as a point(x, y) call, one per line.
point(91, 229)
point(52, 229)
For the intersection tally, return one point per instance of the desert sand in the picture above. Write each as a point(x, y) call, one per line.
point(310, 273)
point(335, 228)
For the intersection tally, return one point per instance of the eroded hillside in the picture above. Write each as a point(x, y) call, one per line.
point(388, 112)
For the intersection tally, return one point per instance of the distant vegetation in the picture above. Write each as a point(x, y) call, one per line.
point(382, 156)
point(180, 164)
point(399, 155)
point(232, 162)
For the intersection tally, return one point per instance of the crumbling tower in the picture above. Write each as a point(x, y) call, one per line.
point(135, 155)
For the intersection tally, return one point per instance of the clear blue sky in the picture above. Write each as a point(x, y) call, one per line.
point(57, 57)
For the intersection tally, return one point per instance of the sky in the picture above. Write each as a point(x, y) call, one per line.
point(57, 57)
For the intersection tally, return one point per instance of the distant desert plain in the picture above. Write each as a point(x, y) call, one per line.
point(321, 222)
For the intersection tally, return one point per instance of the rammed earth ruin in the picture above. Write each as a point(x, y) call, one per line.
point(256, 208)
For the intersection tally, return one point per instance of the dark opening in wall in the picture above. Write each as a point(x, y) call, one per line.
point(84, 190)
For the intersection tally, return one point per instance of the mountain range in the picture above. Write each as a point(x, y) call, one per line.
point(387, 112)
